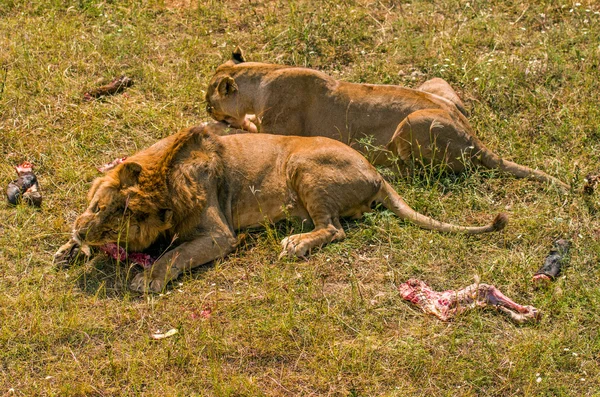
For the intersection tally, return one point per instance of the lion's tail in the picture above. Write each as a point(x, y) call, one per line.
point(392, 201)
point(493, 161)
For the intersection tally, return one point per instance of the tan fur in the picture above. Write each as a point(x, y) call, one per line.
point(426, 124)
point(202, 188)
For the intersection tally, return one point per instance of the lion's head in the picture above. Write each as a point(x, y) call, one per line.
point(158, 191)
point(121, 212)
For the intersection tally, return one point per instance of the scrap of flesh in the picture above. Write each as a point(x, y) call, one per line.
point(25, 188)
point(109, 166)
point(447, 304)
point(119, 253)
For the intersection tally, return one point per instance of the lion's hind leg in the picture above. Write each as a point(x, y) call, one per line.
point(331, 181)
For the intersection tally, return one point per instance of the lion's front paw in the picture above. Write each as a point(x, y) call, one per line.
point(69, 252)
point(145, 282)
point(294, 246)
point(152, 280)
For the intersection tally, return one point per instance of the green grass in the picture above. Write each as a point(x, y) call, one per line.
point(333, 325)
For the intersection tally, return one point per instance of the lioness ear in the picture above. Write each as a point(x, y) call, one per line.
point(227, 86)
point(237, 56)
point(129, 174)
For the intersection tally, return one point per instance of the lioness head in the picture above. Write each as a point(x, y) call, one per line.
point(120, 212)
point(223, 99)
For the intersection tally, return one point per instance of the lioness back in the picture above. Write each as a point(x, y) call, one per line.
point(305, 102)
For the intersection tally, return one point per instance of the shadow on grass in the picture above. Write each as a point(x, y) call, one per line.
point(106, 278)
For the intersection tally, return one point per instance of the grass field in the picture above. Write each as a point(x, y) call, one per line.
point(333, 325)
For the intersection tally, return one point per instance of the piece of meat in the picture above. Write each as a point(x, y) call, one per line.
point(447, 304)
point(554, 261)
point(25, 188)
point(142, 259)
point(119, 253)
point(115, 251)
point(13, 192)
point(249, 124)
point(114, 87)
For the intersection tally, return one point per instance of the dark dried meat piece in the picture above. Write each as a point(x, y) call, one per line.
point(13, 193)
point(114, 87)
point(591, 181)
point(554, 261)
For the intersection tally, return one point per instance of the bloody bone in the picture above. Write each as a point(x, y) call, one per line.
point(447, 304)
point(114, 87)
point(109, 166)
point(119, 253)
point(25, 188)
point(554, 261)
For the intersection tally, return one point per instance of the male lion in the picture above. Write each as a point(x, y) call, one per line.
point(426, 124)
point(203, 187)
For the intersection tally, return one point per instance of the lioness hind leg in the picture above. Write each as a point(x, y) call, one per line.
point(301, 244)
point(440, 87)
point(433, 137)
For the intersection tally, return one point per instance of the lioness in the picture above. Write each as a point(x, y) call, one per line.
point(202, 188)
point(426, 124)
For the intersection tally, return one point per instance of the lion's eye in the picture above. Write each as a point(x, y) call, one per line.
point(96, 208)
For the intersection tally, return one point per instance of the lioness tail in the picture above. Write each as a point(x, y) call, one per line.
point(493, 161)
point(392, 201)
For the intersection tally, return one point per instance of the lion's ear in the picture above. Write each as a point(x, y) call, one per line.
point(237, 56)
point(129, 174)
point(227, 86)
